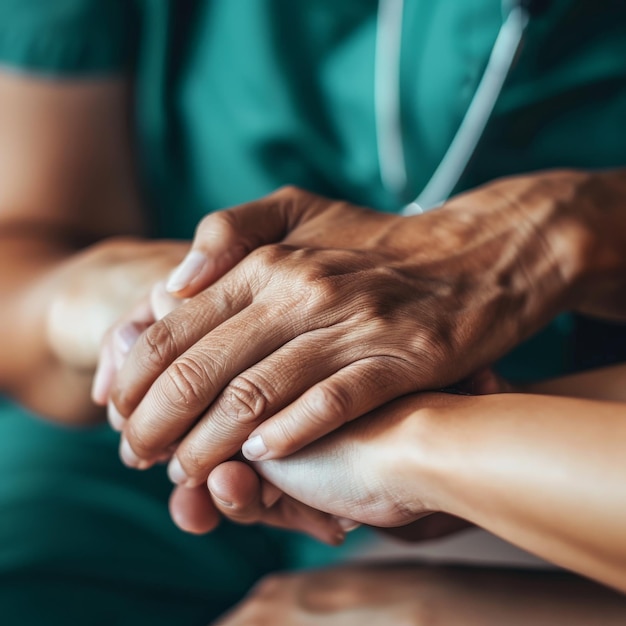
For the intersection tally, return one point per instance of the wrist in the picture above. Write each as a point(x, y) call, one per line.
point(580, 219)
point(598, 210)
point(419, 461)
point(87, 293)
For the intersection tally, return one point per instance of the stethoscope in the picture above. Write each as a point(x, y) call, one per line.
point(516, 15)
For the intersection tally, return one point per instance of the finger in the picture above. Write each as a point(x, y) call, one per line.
point(191, 383)
point(256, 394)
point(269, 494)
point(193, 511)
point(223, 238)
point(173, 335)
point(355, 390)
point(116, 344)
point(237, 493)
point(104, 376)
point(121, 340)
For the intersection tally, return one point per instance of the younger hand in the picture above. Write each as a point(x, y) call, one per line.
point(95, 288)
point(363, 473)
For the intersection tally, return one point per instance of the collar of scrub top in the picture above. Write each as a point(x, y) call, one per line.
point(516, 15)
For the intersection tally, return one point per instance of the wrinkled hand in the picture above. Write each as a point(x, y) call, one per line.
point(350, 310)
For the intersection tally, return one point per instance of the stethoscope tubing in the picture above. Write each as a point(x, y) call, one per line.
point(390, 145)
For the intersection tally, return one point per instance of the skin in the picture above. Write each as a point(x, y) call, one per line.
point(62, 210)
point(71, 258)
point(335, 310)
point(517, 465)
point(426, 596)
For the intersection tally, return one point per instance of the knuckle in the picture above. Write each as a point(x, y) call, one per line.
point(269, 255)
point(287, 192)
point(436, 346)
point(158, 345)
point(183, 384)
point(374, 305)
point(194, 457)
point(321, 290)
point(141, 439)
point(284, 435)
point(330, 403)
point(246, 400)
point(217, 226)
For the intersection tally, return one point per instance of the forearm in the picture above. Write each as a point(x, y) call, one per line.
point(37, 278)
point(29, 370)
point(580, 226)
point(59, 300)
point(545, 473)
point(599, 211)
point(606, 383)
point(565, 235)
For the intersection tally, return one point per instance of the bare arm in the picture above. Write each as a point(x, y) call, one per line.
point(545, 473)
point(66, 182)
point(606, 383)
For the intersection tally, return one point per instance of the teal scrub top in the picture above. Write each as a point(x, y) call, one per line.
point(235, 98)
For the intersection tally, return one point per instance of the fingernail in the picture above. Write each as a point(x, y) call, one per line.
point(186, 271)
point(254, 448)
point(129, 458)
point(347, 525)
point(116, 419)
point(176, 473)
point(224, 503)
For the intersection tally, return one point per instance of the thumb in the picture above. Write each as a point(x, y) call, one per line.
point(225, 237)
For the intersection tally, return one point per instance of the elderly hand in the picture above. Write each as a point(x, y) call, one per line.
point(351, 309)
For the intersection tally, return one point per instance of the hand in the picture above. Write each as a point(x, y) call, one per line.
point(83, 297)
point(248, 500)
point(95, 288)
point(119, 339)
point(356, 473)
point(422, 595)
point(239, 494)
point(369, 471)
point(352, 309)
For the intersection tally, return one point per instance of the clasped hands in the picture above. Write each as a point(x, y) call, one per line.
point(291, 317)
